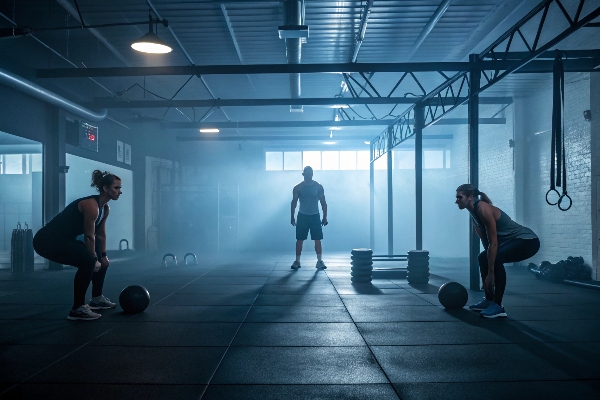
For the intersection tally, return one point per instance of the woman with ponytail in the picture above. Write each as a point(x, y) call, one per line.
point(503, 240)
point(57, 241)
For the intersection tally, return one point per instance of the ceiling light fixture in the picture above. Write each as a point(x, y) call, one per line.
point(209, 130)
point(150, 42)
point(329, 142)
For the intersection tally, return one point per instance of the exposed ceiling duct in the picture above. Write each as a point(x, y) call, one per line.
point(294, 32)
point(361, 31)
point(30, 88)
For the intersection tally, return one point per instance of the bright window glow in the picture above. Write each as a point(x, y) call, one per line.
point(331, 160)
point(36, 163)
point(312, 159)
point(433, 159)
point(292, 160)
point(363, 160)
point(447, 160)
point(13, 164)
point(405, 159)
point(274, 160)
point(381, 162)
point(347, 160)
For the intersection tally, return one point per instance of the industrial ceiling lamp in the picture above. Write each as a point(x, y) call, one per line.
point(150, 42)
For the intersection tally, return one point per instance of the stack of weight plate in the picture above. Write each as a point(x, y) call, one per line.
point(418, 266)
point(362, 265)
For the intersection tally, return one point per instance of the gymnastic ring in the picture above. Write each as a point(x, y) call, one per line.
point(548, 192)
point(561, 199)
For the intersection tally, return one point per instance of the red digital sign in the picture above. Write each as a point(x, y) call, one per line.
point(88, 136)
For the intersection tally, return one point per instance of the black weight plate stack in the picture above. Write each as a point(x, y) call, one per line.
point(16, 250)
point(418, 266)
point(28, 265)
point(362, 265)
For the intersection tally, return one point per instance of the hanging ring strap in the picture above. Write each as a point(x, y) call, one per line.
point(556, 73)
point(560, 141)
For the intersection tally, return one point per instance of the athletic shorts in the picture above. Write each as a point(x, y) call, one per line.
point(312, 223)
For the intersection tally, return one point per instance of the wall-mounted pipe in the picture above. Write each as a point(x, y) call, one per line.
point(31, 89)
point(361, 31)
point(428, 28)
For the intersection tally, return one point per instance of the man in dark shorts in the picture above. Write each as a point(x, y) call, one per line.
point(310, 193)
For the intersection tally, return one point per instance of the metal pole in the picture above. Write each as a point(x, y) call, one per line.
point(419, 122)
point(390, 193)
point(372, 200)
point(473, 111)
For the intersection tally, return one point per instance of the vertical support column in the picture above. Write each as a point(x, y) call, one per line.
point(390, 192)
point(419, 123)
point(473, 119)
point(53, 174)
point(372, 200)
point(54, 161)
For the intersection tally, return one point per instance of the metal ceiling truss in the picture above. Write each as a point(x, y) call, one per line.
point(111, 102)
point(312, 124)
point(251, 69)
point(456, 89)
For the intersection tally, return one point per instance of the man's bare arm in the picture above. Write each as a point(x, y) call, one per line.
point(295, 194)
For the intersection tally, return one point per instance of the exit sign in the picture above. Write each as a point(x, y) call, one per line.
point(88, 136)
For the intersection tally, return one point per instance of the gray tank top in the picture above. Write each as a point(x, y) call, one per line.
point(506, 228)
point(309, 197)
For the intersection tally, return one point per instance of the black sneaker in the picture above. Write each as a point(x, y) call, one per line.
point(83, 313)
point(296, 265)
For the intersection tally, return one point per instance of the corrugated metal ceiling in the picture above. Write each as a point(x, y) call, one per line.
point(245, 32)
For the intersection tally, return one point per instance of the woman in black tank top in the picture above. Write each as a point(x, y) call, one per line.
point(57, 241)
point(503, 240)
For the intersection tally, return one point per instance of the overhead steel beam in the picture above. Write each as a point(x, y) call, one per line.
point(108, 102)
point(251, 69)
point(260, 138)
point(538, 66)
point(312, 124)
point(458, 85)
point(517, 55)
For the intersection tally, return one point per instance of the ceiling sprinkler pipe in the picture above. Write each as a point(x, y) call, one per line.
point(31, 89)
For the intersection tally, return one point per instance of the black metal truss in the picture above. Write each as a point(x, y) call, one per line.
point(312, 124)
point(110, 102)
point(456, 88)
point(302, 138)
point(400, 131)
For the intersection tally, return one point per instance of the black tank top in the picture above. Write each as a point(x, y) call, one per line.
point(69, 222)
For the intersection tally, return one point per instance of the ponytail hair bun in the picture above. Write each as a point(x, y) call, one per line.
point(101, 179)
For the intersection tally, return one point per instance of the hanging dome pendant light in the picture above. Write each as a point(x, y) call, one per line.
point(151, 43)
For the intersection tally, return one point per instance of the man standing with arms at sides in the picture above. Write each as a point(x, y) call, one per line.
point(310, 193)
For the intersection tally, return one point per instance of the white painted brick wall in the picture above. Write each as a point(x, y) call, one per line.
point(569, 233)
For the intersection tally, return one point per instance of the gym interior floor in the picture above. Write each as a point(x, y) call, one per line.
point(248, 327)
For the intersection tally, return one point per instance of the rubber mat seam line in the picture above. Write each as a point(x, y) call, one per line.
point(86, 343)
point(234, 336)
point(366, 343)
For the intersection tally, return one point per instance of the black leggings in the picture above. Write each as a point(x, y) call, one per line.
point(52, 245)
point(512, 251)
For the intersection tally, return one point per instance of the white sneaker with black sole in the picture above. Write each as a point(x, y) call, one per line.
point(101, 303)
point(83, 313)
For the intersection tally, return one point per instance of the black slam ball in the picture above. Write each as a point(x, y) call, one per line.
point(453, 295)
point(134, 299)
